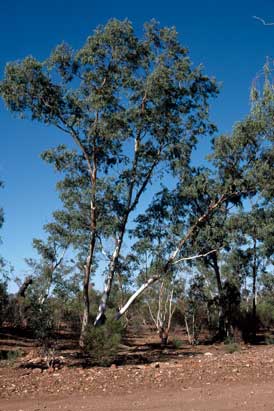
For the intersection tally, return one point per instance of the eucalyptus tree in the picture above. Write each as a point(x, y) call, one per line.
point(161, 304)
point(131, 105)
point(49, 268)
point(252, 253)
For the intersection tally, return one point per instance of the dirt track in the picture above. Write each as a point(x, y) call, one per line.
point(247, 397)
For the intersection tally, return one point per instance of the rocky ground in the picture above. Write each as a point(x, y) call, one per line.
point(189, 378)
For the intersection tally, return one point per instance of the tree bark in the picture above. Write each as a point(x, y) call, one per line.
point(221, 325)
point(93, 225)
point(85, 319)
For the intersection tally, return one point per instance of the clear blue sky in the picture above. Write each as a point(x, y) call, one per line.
point(222, 35)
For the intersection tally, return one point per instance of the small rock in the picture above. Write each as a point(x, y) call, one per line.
point(113, 366)
point(208, 353)
point(37, 371)
point(156, 365)
point(140, 367)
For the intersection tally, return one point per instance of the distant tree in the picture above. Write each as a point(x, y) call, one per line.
point(161, 301)
point(49, 268)
point(133, 107)
point(252, 253)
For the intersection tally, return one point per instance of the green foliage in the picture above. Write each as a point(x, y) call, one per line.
point(196, 307)
point(265, 312)
point(133, 106)
point(177, 343)
point(269, 340)
point(10, 356)
point(40, 319)
point(231, 347)
point(102, 343)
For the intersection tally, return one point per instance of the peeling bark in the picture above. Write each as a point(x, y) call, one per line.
point(222, 314)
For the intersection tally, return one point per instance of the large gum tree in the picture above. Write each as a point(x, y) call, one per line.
point(134, 108)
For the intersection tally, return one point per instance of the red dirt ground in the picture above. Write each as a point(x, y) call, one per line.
point(189, 378)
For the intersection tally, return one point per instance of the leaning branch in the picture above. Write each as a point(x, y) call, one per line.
point(263, 21)
point(135, 295)
point(193, 230)
point(194, 257)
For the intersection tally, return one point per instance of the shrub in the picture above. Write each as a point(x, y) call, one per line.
point(265, 313)
point(230, 346)
point(177, 343)
point(102, 342)
point(269, 340)
point(10, 356)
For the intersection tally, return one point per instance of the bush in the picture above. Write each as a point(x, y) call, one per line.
point(269, 340)
point(231, 346)
point(177, 343)
point(10, 356)
point(265, 313)
point(102, 342)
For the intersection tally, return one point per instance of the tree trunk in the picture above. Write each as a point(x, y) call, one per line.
point(101, 317)
point(187, 330)
point(254, 290)
point(85, 319)
point(92, 169)
point(163, 334)
point(222, 314)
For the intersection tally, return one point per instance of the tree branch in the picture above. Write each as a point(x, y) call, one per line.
point(195, 256)
point(135, 295)
point(170, 261)
point(263, 21)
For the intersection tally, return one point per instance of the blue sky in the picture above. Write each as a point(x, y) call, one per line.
point(222, 35)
